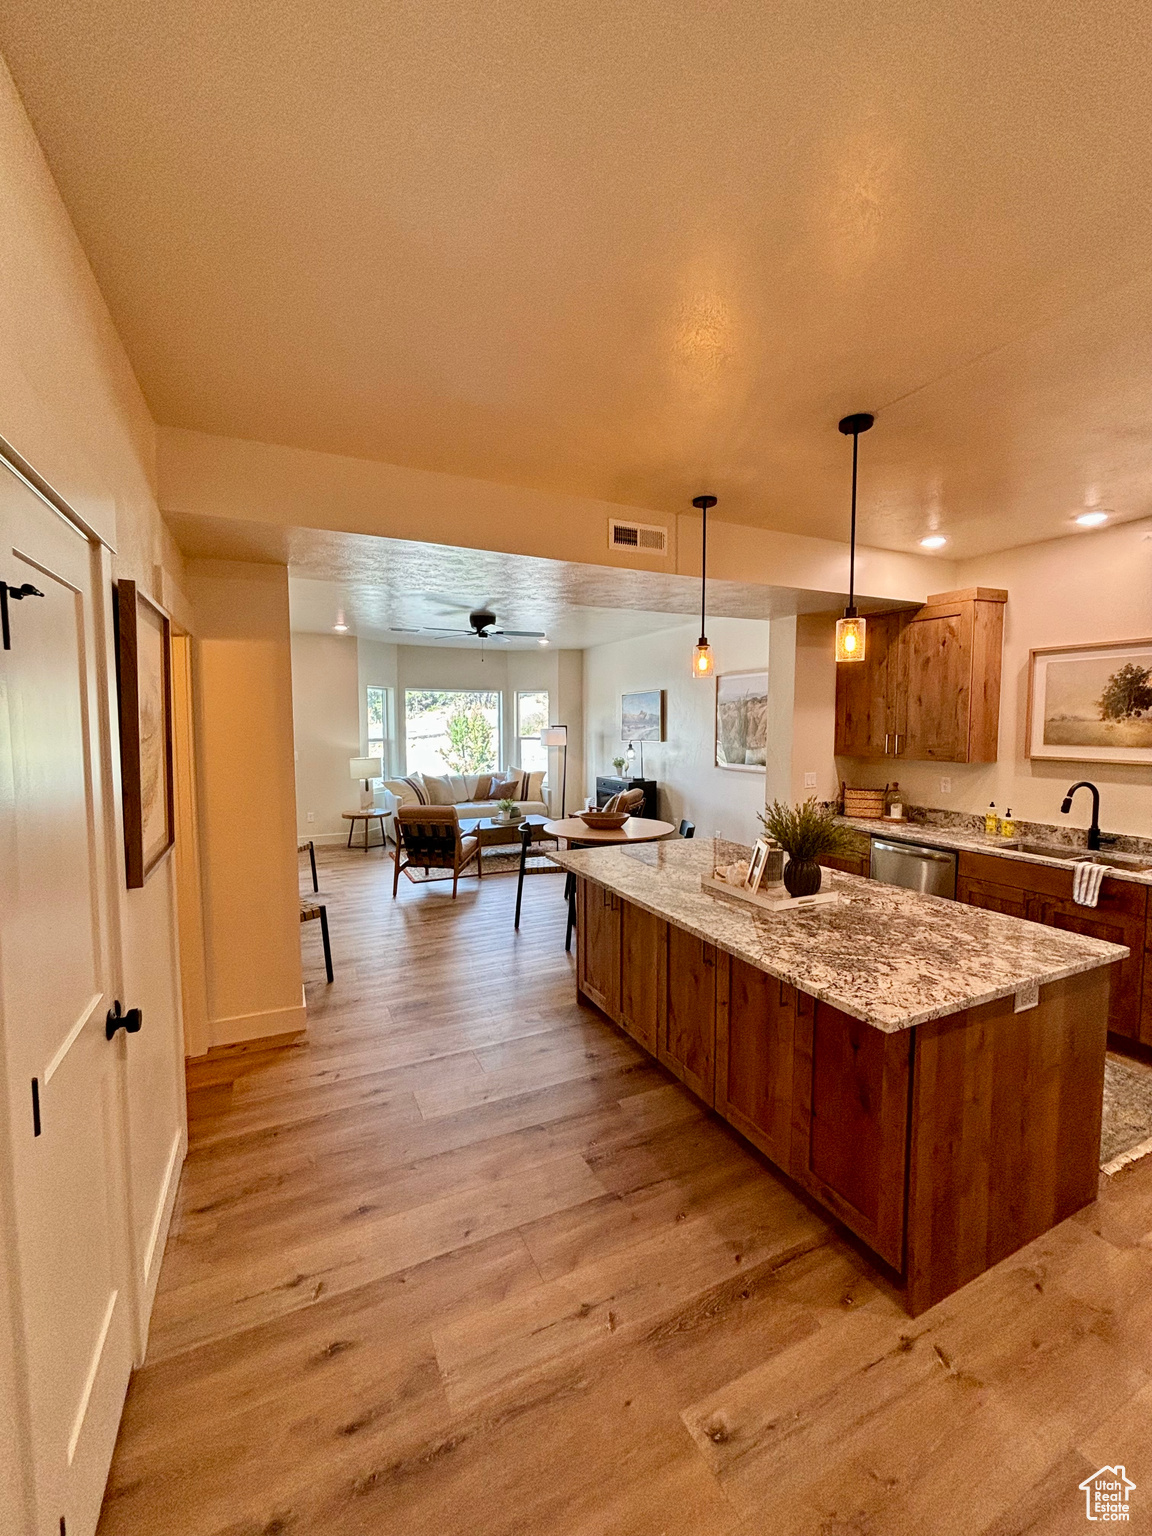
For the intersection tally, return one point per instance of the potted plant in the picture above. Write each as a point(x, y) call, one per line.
point(804, 832)
point(619, 763)
point(509, 810)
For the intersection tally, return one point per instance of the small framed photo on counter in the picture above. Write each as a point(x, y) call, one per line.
point(756, 865)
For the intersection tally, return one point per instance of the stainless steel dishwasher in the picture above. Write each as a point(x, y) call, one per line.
point(912, 865)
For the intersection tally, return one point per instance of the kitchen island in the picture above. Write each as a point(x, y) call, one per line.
point(931, 1073)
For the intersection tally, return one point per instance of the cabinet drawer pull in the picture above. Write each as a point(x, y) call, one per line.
point(887, 734)
point(896, 746)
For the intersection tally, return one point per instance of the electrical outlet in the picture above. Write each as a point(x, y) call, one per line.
point(809, 781)
point(945, 786)
point(311, 816)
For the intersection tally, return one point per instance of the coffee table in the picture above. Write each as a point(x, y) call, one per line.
point(493, 833)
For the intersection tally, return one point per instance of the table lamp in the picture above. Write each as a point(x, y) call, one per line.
point(557, 736)
point(365, 769)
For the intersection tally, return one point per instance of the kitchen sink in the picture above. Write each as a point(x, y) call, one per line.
point(1130, 861)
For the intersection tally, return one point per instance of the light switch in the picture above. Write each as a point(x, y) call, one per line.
point(945, 786)
point(311, 816)
point(809, 781)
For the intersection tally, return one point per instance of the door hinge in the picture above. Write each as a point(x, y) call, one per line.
point(17, 594)
point(35, 1106)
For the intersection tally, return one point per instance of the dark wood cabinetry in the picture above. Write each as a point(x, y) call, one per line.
point(943, 1147)
point(929, 686)
point(687, 1031)
point(598, 935)
point(1044, 895)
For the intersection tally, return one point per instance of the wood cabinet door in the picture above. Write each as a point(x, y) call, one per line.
point(933, 682)
point(850, 1121)
point(867, 692)
point(1121, 927)
point(598, 946)
point(687, 1035)
point(755, 1026)
point(992, 897)
point(643, 951)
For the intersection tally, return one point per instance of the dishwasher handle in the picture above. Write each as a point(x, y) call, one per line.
point(912, 851)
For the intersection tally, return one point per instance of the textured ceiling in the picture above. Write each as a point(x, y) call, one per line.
point(630, 250)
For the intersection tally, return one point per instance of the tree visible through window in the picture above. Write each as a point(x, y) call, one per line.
point(531, 719)
point(451, 730)
point(378, 732)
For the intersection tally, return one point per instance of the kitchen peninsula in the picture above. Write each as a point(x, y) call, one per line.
point(931, 1073)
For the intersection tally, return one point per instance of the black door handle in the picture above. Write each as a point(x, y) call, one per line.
point(129, 1022)
point(17, 594)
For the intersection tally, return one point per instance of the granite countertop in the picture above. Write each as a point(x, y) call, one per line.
point(891, 957)
point(963, 839)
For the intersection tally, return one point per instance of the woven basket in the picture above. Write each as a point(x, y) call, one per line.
point(866, 803)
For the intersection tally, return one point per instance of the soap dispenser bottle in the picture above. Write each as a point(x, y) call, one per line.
point(991, 820)
point(1007, 825)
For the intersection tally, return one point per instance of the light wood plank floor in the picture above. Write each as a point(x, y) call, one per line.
point(464, 1261)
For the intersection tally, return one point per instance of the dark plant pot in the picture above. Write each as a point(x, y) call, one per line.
point(802, 877)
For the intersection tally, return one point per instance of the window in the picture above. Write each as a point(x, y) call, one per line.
point(451, 730)
point(531, 719)
point(380, 726)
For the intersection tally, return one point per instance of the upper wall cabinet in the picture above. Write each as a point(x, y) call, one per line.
point(929, 687)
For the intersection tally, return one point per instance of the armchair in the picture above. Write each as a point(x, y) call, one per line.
point(429, 836)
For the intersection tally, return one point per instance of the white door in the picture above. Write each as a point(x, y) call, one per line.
point(69, 1258)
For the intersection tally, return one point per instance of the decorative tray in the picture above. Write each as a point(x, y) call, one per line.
point(746, 898)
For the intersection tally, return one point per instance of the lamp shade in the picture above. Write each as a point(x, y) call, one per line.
point(554, 736)
point(365, 767)
point(851, 637)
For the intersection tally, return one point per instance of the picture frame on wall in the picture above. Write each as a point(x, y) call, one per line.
point(742, 720)
point(642, 716)
point(1091, 703)
point(144, 681)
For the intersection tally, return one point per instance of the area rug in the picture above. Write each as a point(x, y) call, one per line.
point(497, 861)
point(1126, 1132)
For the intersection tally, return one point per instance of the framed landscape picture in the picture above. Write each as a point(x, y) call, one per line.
point(143, 673)
point(1091, 703)
point(642, 716)
point(742, 720)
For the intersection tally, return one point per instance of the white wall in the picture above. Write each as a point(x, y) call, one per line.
point(690, 783)
point(1092, 587)
point(326, 724)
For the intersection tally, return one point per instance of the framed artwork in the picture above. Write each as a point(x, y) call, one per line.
point(742, 720)
point(642, 716)
point(143, 674)
point(1091, 703)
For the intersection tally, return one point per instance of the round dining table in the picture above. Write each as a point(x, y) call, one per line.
point(637, 829)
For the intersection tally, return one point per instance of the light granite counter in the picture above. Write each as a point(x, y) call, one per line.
point(891, 957)
point(928, 835)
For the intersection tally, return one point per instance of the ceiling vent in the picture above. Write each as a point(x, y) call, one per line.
point(644, 538)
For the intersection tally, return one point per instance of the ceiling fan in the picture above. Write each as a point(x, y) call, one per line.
point(482, 626)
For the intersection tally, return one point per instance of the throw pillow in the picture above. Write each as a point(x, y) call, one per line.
point(483, 789)
point(534, 788)
point(413, 791)
point(509, 789)
point(439, 789)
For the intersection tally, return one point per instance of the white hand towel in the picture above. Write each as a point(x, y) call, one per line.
point(1086, 882)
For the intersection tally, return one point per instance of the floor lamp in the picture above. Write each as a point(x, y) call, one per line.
point(557, 736)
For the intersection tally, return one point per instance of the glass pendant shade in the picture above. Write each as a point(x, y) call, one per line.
point(702, 663)
point(851, 641)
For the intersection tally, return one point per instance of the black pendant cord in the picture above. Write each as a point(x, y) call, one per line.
point(703, 502)
point(703, 569)
point(859, 422)
point(852, 546)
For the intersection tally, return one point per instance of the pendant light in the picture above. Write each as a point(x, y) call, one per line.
point(703, 664)
point(851, 642)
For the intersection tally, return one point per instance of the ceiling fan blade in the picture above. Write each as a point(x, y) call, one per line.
point(520, 634)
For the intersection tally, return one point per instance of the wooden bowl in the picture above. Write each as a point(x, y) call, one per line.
point(604, 821)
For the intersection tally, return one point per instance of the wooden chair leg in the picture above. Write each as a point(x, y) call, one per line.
point(455, 875)
point(312, 860)
point(327, 943)
point(396, 876)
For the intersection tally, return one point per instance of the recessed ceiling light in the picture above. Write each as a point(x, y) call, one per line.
point(543, 640)
point(340, 626)
point(1091, 519)
point(933, 541)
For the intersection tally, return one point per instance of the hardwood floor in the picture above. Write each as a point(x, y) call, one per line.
point(463, 1260)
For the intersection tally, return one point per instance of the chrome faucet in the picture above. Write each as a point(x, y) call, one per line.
point(1094, 829)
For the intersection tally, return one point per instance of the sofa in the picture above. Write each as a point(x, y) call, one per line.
point(471, 793)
